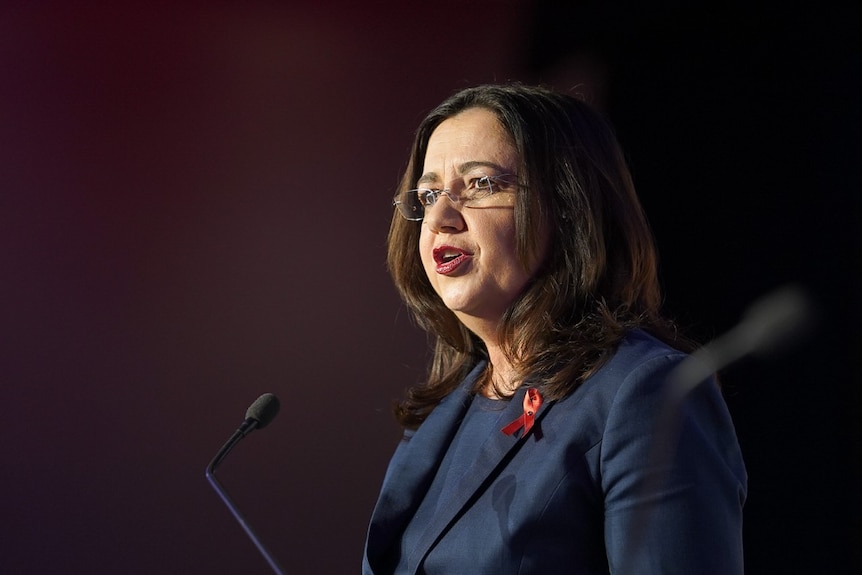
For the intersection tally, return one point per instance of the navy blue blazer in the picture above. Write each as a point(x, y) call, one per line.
point(568, 497)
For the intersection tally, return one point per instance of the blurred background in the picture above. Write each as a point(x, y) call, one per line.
point(194, 200)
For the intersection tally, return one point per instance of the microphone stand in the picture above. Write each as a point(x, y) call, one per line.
point(247, 427)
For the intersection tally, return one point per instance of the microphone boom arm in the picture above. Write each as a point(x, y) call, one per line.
point(249, 425)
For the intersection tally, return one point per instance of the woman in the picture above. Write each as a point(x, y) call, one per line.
point(519, 244)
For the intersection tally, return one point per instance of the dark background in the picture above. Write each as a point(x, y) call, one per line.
point(194, 199)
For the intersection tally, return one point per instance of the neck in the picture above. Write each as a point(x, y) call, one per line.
point(502, 381)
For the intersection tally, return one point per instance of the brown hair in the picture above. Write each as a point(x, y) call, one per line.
point(599, 278)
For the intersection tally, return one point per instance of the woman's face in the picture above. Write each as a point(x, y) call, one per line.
point(468, 252)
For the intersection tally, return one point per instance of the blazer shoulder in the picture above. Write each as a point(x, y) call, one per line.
point(639, 347)
point(640, 356)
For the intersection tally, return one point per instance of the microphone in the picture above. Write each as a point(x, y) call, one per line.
point(259, 415)
point(772, 324)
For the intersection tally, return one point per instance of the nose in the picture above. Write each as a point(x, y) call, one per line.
point(443, 216)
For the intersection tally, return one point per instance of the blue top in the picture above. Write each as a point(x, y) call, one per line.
point(576, 495)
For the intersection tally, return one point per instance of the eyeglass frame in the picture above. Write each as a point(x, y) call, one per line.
point(456, 199)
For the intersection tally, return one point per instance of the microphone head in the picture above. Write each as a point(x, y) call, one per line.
point(780, 320)
point(263, 410)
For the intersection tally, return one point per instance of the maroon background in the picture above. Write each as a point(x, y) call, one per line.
point(194, 208)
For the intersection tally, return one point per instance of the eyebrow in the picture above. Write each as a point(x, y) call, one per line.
point(462, 169)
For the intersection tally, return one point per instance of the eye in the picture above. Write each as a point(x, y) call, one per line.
point(479, 187)
point(427, 197)
point(482, 183)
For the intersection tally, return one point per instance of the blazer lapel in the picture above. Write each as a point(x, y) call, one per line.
point(412, 469)
point(492, 456)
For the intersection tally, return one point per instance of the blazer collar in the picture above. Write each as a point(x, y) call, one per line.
point(415, 463)
point(412, 469)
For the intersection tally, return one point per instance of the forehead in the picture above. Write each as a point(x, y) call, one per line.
point(472, 140)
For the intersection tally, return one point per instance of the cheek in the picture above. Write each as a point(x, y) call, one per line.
point(506, 265)
point(506, 253)
point(502, 243)
point(426, 242)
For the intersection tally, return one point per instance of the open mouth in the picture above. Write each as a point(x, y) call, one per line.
point(448, 254)
point(449, 258)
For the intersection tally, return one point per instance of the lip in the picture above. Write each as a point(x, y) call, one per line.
point(450, 258)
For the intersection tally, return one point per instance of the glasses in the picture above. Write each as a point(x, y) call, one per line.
point(480, 191)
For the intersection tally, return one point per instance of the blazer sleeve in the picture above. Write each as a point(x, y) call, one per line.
point(678, 513)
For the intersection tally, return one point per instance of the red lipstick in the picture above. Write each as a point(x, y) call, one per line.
point(450, 258)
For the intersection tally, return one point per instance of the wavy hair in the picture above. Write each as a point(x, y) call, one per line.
point(598, 279)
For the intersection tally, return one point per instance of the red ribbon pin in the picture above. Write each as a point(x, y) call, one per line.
point(532, 403)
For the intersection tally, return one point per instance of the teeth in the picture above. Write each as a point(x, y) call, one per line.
point(449, 255)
